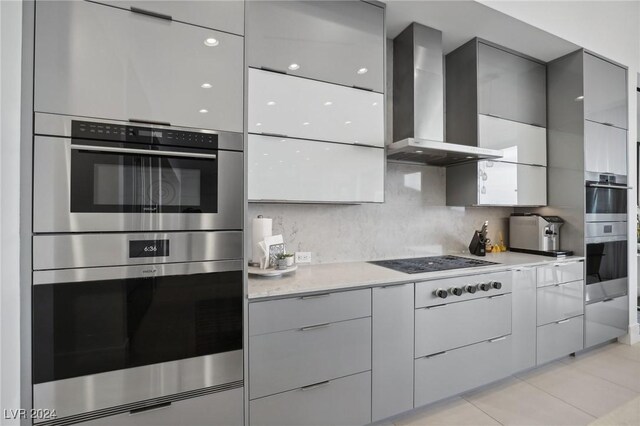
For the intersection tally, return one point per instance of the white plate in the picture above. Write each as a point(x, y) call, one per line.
point(271, 272)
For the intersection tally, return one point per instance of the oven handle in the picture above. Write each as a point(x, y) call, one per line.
point(600, 185)
point(144, 151)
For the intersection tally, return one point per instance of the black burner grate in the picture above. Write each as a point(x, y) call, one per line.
point(418, 265)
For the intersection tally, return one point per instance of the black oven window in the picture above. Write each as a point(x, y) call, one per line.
point(94, 327)
point(104, 182)
point(606, 261)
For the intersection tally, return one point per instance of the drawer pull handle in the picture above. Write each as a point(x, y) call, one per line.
point(315, 386)
point(273, 70)
point(150, 13)
point(563, 321)
point(521, 269)
point(145, 121)
point(436, 306)
point(497, 339)
point(363, 88)
point(315, 327)
point(277, 135)
point(149, 408)
point(607, 300)
point(435, 355)
point(315, 296)
point(497, 296)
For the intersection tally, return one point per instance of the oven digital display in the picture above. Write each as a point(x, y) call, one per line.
point(152, 133)
point(148, 248)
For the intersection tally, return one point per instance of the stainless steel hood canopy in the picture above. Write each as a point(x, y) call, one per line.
point(418, 103)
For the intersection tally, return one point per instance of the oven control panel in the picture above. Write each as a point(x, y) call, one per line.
point(450, 290)
point(139, 134)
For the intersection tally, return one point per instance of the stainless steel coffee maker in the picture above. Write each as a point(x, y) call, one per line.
point(533, 233)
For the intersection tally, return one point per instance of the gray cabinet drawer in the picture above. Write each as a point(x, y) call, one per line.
point(344, 401)
point(303, 311)
point(560, 272)
point(559, 339)
point(291, 359)
point(440, 328)
point(456, 371)
point(147, 68)
point(606, 320)
point(220, 15)
point(227, 406)
point(425, 290)
point(328, 40)
point(560, 301)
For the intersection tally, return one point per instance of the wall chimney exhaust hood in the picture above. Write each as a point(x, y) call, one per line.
point(418, 103)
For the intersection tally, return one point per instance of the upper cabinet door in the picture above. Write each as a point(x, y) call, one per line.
point(99, 61)
point(511, 87)
point(225, 15)
point(509, 184)
point(335, 41)
point(309, 109)
point(520, 143)
point(605, 149)
point(605, 92)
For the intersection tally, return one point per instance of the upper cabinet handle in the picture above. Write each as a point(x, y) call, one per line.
point(608, 124)
point(151, 13)
point(145, 121)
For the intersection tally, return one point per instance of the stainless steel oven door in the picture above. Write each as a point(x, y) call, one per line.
point(109, 337)
point(606, 264)
point(93, 186)
point(606, 202)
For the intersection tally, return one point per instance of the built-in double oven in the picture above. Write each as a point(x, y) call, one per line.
point(137, 265)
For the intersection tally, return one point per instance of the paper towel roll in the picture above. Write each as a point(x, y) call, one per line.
point(261, 227)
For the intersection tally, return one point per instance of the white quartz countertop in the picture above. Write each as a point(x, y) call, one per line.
point(338, 276)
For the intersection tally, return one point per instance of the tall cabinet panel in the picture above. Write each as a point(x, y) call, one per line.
point(335, 41)
point(392, 358)
point(147, 68)
point(605, 92)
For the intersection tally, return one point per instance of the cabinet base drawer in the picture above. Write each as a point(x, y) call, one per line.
point(560, 339)
point(559, 301)
point(606, 320)
point(344, 401)
point(560, 272)
point(450, 373)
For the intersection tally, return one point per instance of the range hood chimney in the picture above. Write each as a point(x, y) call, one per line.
point(418, 103)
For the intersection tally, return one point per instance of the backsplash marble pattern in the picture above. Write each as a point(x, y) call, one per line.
point(413, 221)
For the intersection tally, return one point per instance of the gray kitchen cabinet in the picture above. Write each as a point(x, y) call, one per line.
point(605, 148)
point(560, 272)
point(148, 68)
point(523, 319)
point(606, 320)
point(339, 42)
point(449, 373)
point(511, 86)
point(560, 301)
point(215, 409)
point(559, 339)
point(225, 16)
point(520, 143)
point(344, 401)
point(605, 92)
point(392, 350)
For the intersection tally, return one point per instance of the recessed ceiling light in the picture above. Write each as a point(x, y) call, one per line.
point(204, 111)
point(206, 86)
point(306, 123)
point(362, 71)
point(258, 124)
point(347, 122)
point(328, 103)
point(294, 67)
point(211, 42)
point(271, 103)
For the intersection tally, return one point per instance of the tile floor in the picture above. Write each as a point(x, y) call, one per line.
point(601, 387)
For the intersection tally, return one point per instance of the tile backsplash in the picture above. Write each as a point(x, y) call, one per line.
point(413, 221)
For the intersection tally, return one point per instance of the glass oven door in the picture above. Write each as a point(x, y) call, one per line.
point(119, 179)
point(90, 321)
point(606, 265)
point(606, 202)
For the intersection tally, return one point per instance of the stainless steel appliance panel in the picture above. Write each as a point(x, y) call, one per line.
point(449, 373)
point(606, 320)
point(392, 353)
point(290, 359)
point(559, 339)
point(291, 313)
point(425, 291)
point(114, 388)
point(445, 327)
point(607, 270)
point(599, 291)
point(52, 197)
point(328, 40)
point(344, 401)
point(218, 15)
point(227, 406)
point(93, 250)
point(606, 202)
point(605, 231)
point(560, 301)
point(147, 68)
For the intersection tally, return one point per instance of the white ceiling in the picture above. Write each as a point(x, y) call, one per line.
point(460, 21)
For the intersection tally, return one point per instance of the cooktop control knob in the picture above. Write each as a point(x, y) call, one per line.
point(441, 293)
point(456, 291)
point(497, 285)
point(471, 288)
point(485, 286)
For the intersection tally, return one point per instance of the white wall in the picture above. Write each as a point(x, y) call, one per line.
point(612, 29)
point(10, 70)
